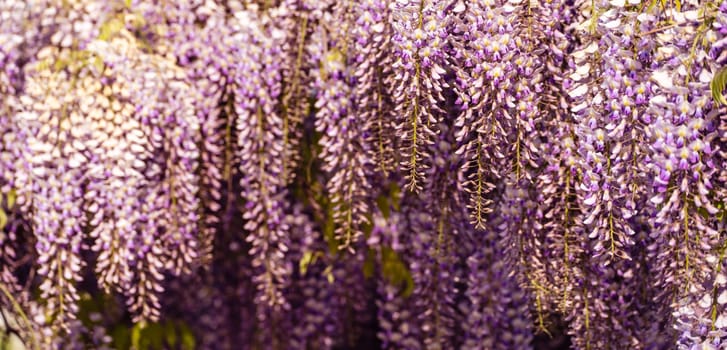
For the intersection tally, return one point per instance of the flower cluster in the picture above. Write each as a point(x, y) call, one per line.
point(418, 30)
point(260, 146)
point(398, 174)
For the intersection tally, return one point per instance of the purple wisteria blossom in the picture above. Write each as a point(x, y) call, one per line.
point(259, 136)
point(419, 37)
point(375, 174)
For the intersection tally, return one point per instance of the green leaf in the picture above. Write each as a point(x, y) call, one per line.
point(718, 85)
point(307, 259)
point(383, 203)
point(395, 193)
point(110, 28)
point(12, 195)
point(170, 332)
point(389, 200)
point(329, 231)
point(98, 64)
point(369, 264)
point(408, 286)
point(154, 335)
point(59, 65)
point(136, 333)
point(704, 213)
point(120, 336)
point(188, 341)
point(86, 306)
point(368, 226)
point(3, 218)
point(43, 65)
point(395, 271)
point(334, 56)
point(328, 272)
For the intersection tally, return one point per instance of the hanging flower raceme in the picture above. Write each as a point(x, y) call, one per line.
point(155, 158)
point(686, 159)
point(683, 156)
point(399, 322)
point(607, 104)
point(562, 165)
point(13, 167)
point(609, 129)
point(207, 56)
point(373, 71)
point(118, 157)
point(259, 131)
point(419, 37)
point(521, 246)
point(487, 81)
point(344, 147)
point(517, 32)
point(425, 318)
point(434, 243)
point(702, 318)
point(299, 19)
point(316, 321)
point(59, 241)
point(558, 215)
point(57, 166)
point(498, 317)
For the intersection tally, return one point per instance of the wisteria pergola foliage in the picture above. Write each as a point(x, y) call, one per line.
point(363, 174)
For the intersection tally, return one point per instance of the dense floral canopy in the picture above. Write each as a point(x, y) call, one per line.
point(398, 174)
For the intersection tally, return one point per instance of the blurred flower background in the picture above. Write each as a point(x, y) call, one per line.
point(373, 174)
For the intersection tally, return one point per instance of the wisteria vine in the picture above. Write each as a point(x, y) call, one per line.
point(398, 174)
